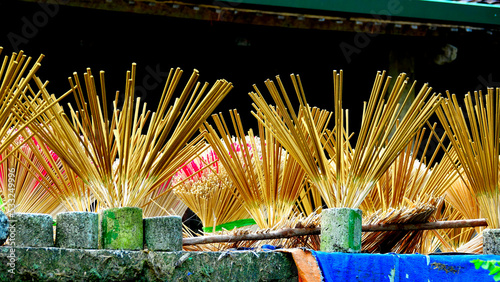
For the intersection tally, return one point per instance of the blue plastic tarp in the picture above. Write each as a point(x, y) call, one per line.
point(396, 267)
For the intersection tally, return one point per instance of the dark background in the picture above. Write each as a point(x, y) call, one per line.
point(76, 38)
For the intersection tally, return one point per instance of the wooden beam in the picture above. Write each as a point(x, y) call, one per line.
point(283, 16)
point(426, 226)
point(293, 232)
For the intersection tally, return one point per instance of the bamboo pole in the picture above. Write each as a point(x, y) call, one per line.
point(292, 232)
point(425, 226)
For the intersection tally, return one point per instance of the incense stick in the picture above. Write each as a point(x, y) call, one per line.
point(268, 180)
point(475, 138)
point(17, 107)
point(343, 183)
point(88, 142)
point(23, 183)
point(205, 187)
point(167, 204)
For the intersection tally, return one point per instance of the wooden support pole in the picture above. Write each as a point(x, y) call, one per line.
point(426, 226)
point(292, 232)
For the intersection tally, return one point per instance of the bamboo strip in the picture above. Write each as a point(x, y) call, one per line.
point(292, 232)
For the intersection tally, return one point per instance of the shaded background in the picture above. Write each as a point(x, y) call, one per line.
point(76, 38)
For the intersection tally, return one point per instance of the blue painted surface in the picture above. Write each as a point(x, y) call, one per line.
point(395, 267)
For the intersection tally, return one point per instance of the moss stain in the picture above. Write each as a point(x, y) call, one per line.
point(354, 220)
point(111, 226)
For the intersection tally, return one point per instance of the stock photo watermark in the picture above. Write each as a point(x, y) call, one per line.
point(10, 203)
point(30, 25)
point(151, 81)
point(488, 81)
point(362, 39)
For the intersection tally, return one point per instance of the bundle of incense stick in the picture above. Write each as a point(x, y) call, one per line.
point(309, 200)
point(17, 107)
point(475, 138)
point(474, 246)
point(348, 176)
point(464, 204)
point(463, 201)
point(293, 221)
point(267, 178)
point(23, 183)
point(446, 240)
point(408, 180)
point(166, 204)
point(459, 204)
point(54, 175)
point(398, 241)
point(405, 184)
point(90, 142)
point(208, 191)
point(59, 179)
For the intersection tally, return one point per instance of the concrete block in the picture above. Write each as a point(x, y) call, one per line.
point(491, 242)
point(341, 230)
point(32, 230)
point(163, 233)
point(77, 230)
point(4, 228)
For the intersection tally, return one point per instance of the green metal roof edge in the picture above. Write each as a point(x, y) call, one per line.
point(421, 9)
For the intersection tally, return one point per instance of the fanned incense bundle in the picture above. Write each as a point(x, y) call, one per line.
point(398, 241)
point(474, 246)
point(463, 202)
point(408, 179)
point(164, 205)
point(22, 179)
point(402, 190)
point(350, 174)
point(17, 108)
point(207, 190)
point(59, 180)
point(461, 199)
point(309, 201)
point(446, 240)
point(91, 142)
point(475, 136)
point(267, 178)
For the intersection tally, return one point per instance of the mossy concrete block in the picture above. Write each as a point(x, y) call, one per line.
point(121, 228)
point(4, 228)
point(31, 230)
point(341, 230)
point(77, 230)
point(163, 233)
point(491, 242)
point(50, 264)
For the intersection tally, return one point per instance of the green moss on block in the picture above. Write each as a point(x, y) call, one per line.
point(121, 228)
point(341, 230)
